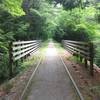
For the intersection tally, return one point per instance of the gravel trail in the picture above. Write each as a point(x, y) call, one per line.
point(51, 82)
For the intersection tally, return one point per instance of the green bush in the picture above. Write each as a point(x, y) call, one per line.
point(80, 32)
point(4, 69)
point(97, 55)
point(98, 17)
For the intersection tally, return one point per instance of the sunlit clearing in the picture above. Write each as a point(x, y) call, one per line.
point(51, 51)
point(59, 5)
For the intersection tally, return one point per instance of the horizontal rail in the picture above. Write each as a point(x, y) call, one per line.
point(22, 49)
point(20, 56)
point(78, 50)
point(79, 46)
point(83, 49)
point(77, 42)
point(23, 46)
point(23, 42)
point(75, 52)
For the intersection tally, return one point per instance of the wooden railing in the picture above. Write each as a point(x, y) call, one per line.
point(82, 49)
point(97, 52)
point(20, 50)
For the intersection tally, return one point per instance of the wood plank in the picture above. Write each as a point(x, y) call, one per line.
point(78, 50)
point(24, 50)
point(83, 47)
point(24, 46)
point(24, 42)
point(77, 42)
point(20, 56)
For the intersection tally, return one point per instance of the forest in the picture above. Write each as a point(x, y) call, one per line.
point(77, 20)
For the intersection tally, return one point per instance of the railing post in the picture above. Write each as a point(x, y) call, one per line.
point(10, 60)
point(62, 43)
point(39, 42)
point(91, 58)
point(85, 60)
point(81, 59)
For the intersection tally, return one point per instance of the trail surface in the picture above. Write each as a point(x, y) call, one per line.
point(51, 82)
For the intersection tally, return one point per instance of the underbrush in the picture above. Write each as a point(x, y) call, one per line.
point(29, 62)
point(59, 47)
point(97, 53)
point(18, 67)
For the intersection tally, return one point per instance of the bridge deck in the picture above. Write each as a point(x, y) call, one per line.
point(51, 82)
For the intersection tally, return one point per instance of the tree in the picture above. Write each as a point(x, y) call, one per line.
point(69, 4)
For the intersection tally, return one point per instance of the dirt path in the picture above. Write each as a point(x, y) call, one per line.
point(51, 81)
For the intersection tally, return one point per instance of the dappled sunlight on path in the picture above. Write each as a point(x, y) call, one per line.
point(51, 50)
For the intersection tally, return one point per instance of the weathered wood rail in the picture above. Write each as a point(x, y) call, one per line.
point(84, 50)
point(21, 50)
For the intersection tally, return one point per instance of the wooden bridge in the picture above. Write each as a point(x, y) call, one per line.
point(51, 79)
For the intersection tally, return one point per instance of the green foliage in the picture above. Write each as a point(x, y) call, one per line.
point(37, 24)
point(8, 26)
point(97, 51)
point(68, 4)
point(4, 70)
point(14, 25)
point(73, 26)
point(21, 29)
point(13, 7)
point(38, 19)
point(98, 13)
